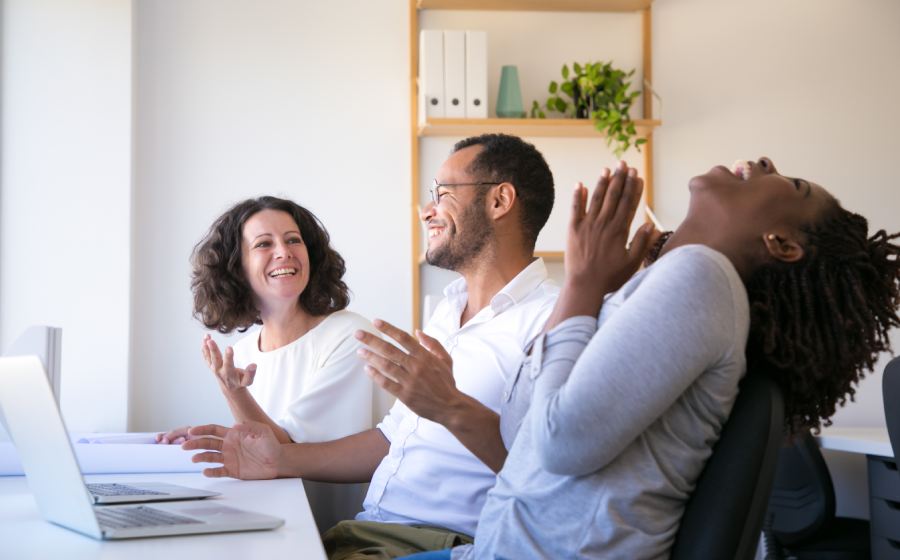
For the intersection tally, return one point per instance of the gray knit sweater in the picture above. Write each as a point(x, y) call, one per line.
point(624, 411)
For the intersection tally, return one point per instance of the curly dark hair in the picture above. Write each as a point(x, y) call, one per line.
point(223, 299)
point(505, 158)
point(817, 325)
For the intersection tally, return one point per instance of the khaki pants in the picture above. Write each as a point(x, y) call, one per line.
point(368, 540)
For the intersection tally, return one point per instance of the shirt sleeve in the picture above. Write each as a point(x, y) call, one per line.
point(338, 399)
point(592, 398)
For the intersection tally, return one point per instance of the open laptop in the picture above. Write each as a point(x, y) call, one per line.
point(55, 479)
point(45, 343)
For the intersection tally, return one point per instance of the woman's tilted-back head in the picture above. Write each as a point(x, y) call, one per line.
point(823, 292)
point(821, 321)
point(227, 295)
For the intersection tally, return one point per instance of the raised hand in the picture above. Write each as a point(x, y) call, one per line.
point(421, 377)
point(598, 258)
point(249, 451)
point(229, 377)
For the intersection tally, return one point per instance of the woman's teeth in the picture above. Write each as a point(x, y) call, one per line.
point(741, 169)
point(283, 272)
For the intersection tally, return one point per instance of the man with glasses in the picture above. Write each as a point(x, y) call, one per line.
point(490, 199)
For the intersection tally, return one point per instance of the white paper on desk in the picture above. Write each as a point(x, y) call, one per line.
point(137, 437)
point(115, 458)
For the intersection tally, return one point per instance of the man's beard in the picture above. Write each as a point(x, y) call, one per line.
point(459, 251)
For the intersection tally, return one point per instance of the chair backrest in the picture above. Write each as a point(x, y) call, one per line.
point(724, 515)
point(802, 498)
point(890, 392)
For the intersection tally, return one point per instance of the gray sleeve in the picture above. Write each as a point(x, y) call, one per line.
point(676, 324)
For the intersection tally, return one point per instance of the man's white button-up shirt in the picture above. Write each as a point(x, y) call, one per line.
point(428, 477)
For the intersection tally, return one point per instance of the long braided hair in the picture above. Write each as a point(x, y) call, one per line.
point(820, 323)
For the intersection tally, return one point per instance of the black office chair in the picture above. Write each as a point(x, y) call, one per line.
point(724, 515)
point(884, 497)
point(890, 391)
point(800, 522)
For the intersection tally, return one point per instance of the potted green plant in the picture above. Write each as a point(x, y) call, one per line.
point(599, 91)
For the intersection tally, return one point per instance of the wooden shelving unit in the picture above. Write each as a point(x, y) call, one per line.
point(561, 128)
point(536, 5)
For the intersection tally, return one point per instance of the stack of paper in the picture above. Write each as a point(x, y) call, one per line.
point(115, 454)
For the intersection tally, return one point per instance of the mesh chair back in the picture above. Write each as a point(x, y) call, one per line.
point(890, 391)
point(802, 498)
point(724, 515)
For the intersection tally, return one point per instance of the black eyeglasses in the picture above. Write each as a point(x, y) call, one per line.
point(435, 197)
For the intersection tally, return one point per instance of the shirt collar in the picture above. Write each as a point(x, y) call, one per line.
point(512, 293)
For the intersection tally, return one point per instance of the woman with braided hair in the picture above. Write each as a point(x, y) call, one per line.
point(614, 414)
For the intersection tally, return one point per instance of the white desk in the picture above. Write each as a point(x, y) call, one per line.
point(883, 483)
point(867, 441)
point(25, 535)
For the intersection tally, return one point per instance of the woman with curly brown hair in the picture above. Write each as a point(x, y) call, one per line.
point(268, 261)
point(612, 418)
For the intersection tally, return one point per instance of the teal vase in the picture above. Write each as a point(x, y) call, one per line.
point(509, 98)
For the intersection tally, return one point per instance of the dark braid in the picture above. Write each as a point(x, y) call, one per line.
point(819, 324)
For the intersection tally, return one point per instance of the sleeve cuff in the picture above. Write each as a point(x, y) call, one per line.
point(564, 343)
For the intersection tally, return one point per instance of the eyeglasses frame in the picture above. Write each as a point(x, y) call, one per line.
point(435, 186)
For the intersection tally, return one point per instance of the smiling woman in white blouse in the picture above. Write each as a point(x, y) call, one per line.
point(268, 261)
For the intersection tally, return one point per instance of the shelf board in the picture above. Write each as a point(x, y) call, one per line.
point(552, 256)
point(563, 128)
point(537, 5)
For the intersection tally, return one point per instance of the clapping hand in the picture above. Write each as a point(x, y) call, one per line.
point(229, 377)
point(598, 258)
point(249, 451)
point(596, 250)
point(420, 375)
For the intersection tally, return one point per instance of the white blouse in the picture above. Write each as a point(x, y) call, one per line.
point(315, 387)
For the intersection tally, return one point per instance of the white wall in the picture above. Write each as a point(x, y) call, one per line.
point(234, 99)
point(65, 193)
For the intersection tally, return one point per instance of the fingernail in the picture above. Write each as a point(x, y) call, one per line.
point(605, 172)
point(378, 322)
point(621, 164)
point(359, 335)
point(361, 352)
point(632, 172)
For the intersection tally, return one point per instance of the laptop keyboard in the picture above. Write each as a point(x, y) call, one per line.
point(138, 516)
point(120, 490)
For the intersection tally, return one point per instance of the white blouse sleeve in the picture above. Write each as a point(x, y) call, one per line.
point(338, 399)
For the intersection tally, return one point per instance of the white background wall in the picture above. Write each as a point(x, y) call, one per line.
point(65, 193)
point(309, 99)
